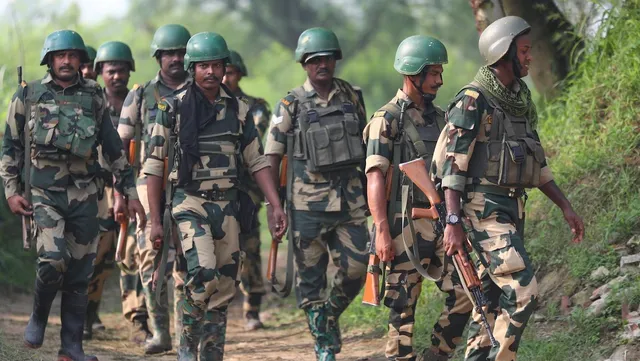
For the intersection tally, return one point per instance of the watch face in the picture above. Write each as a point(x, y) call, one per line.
point(452, 218)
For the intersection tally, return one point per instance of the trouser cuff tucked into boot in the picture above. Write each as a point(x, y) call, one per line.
point(159, 321)
point(214, 331)
point(191, 332)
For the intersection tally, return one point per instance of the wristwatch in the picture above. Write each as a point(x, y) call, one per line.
point(452, 219)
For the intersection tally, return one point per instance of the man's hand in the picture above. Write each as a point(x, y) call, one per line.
point(136, 208)
point(19, 205)
point(156, 235)
point(576, 224)
point(119, 205)
point(277, 221)
point(454, 238)
point(384, 243)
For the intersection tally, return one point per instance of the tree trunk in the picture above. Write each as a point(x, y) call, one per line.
point(553, 37)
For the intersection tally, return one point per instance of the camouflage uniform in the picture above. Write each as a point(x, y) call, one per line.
point(403, 282)
point(140, 110)
point(65, 191)
point(251, 281)
point(328, 211)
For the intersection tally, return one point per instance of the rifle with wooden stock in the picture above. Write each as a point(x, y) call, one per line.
point(121, 248)
point(416, 171)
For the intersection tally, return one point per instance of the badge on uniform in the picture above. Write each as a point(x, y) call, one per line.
point(162, 106)
point(276, 120)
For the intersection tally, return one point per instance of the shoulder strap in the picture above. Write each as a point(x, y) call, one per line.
point(408, 127)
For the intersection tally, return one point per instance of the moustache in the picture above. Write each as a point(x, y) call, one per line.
point(118, 83)
point(176, 65)
point(211, 78)
point(323, 71)
point(65, 67)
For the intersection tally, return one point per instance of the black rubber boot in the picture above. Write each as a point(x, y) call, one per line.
point(43, 298)
point(90, 318)
point(73, 311)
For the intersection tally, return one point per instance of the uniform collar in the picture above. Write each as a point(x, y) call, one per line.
point(311, 91)
point(187, 81)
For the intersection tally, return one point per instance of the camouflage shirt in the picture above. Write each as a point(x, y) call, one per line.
point(250, 146)
point(57, 175)
point(469, 121)
point(258, 110)
point(318, 191)
point(139, 109)
point(115, 116)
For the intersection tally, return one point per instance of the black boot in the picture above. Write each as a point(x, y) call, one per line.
point(43, 298)
point(92, 315)
point(73, 311)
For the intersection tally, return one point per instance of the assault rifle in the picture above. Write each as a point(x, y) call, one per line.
point(121, 218)
point(416, 170)
point(28, 228)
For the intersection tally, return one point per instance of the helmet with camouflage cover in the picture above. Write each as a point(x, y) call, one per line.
point(496, 39)
point(416, 52)
point(317, 42)
point(114, 51)
point(206, 46)
point(236, 60)
point(91, 53)
point(169, 37)
point(63, 40)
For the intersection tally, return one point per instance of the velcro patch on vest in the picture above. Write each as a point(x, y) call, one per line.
point(285, 101)
point(162, 106)
point(379, 113)
point(472, 93)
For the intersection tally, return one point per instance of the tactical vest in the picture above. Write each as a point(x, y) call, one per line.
point(219, 147)
point(512, 156)
point(420, 142)
point(327, 139)
point(151, 95)
point(64, 125)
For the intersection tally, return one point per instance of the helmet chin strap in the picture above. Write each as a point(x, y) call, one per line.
point(513, 55)
point(426, 97)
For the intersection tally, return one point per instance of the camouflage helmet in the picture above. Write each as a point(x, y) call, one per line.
point(91, 52)
point(169, 37)
point(206, 46)
point(63, 40)
point(114, 51)
point(418, 51)
point(236, 60)
point(318, 41)
point(496, 39)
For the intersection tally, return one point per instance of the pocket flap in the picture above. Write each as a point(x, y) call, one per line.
point(535, 149)
point(318, 138)
point(516, 151)
point(352, 127)
point(336, 132)
point(495, 243)
point(48, 114)
point(86, 127)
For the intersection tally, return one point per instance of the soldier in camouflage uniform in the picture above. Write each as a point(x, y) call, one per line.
point(419, 59)
point(215, 140)
point(251, 281)
point(489, 154)
point(114, 62)
point(67, 119)
point(87, 68)
point(327, 185)
point(136, 120)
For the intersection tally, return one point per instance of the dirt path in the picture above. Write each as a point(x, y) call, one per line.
point(285, 337)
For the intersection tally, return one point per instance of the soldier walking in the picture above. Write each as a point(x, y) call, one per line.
point(214, 139)
point(405, 129)
point(319, 127)
point(490, 154)
point(66, 119)
point(251, 281)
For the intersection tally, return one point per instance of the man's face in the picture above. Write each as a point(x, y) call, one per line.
point(115, 75)
point(523, 46)
point(320, 68)
point(232, 77)
point(87, 71)
point(208, 74)
point(65, 64)
point(172, 62)
point(433, 79)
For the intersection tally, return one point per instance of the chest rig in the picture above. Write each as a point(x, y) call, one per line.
point(416, 141)
point(327, 139)
point(64, 126)
point(513, 155)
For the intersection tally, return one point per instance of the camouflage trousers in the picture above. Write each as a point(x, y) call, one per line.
point(509, 281)
point(133, 300)
point(403, 287)
point(343, 236)
point(67, 236)
point(251, 281)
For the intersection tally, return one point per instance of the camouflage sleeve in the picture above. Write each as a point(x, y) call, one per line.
point(546, 175)
point(250, 144)
point(130, 114)
point(157, 149)
point(279, 126)
point(261, 115)
point(464, 119)
point(115, 156)
point(378, 136)
point(13, 146)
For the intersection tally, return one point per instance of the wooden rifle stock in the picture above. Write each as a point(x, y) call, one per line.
point(132, 151)
point(273, 252)
point(371, 294)
point(416, 170)
point(122, 237)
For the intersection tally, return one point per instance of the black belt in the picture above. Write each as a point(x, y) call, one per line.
point(216, 195)
point(501, 191)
